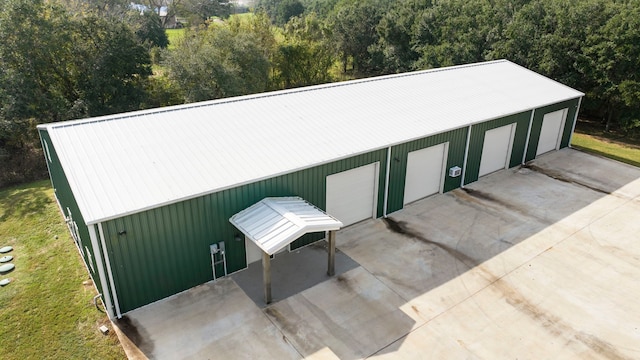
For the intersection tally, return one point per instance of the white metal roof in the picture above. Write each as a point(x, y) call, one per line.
point(273, 223)
point(127, 163)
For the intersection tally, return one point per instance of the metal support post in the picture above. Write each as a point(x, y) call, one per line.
point(266, 276)
point(331, 239)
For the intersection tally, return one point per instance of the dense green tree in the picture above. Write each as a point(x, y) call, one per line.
point(148, 28)
point(287, 9)
point(322, 8)
point(459, 31)
point(102, 8)
point(305, 56)
point(548, 36)
point(33, 56)
point(396, 35)
point(353, 25)
point(55, 65)
point(165, 8)
point(199, 11)
point(223, 60)
point(591, 45)
point(113, 64)
point(613, 53)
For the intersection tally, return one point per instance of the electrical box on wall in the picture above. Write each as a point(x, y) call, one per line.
point(455, 171)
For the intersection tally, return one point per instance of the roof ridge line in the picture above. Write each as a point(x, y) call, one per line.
point(240, 98)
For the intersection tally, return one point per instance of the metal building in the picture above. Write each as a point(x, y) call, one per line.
point(148, 195)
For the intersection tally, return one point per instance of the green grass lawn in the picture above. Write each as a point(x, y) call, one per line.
point(46, 311)
point(626, 153)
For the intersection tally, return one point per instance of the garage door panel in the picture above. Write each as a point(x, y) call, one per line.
point(351, 194)
point(424, 172)
point(496, 149)
point(552, 125)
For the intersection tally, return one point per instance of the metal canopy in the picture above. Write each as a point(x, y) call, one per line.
point(273, 223)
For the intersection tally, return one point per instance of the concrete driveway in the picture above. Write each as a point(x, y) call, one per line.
point(529, 263)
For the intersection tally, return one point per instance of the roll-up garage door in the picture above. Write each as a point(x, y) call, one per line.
point(496, 149)
point(551, 132)
point(424, 172)
point(351, 194)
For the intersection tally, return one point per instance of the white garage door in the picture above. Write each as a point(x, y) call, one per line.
point(351, 194)
point(550, 135)
point(424, 172)
point(496, 150)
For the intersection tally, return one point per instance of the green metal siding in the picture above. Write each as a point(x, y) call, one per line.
point(476, 142)
point(398, 167)
point(162, 251)
point(536, 127)
point(62, 192)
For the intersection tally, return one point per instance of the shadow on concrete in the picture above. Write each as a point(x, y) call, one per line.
point(397, 274)
point(292, 272)
point(449, 240)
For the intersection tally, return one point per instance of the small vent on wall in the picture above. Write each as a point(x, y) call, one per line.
point(455, 171)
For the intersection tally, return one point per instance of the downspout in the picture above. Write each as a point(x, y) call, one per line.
point(109, 272)
point(466, 156)
point(526, 143)
point(386, 183)
point(101, 275)
point(575, 121)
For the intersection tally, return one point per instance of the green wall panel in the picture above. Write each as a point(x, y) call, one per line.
point(476, 142)
point(536, 127)
point(163, 251)
point(398, 167)
point(65, 198)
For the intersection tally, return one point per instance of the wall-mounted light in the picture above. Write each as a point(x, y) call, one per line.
point(237, 238)
point(122, 232)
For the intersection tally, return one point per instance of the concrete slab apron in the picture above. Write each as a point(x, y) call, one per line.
point(214, 320)
point(349, 317)
point(483, 237)
point(577, 299)
point(525, 263)
point(455, 238)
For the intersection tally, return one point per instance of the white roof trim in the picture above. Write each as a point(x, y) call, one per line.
point(273, 223)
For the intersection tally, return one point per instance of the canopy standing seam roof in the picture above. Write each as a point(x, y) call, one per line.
point(273, 223)
point(127, 163)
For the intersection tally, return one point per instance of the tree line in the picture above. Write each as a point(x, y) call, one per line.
point(62, 60)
